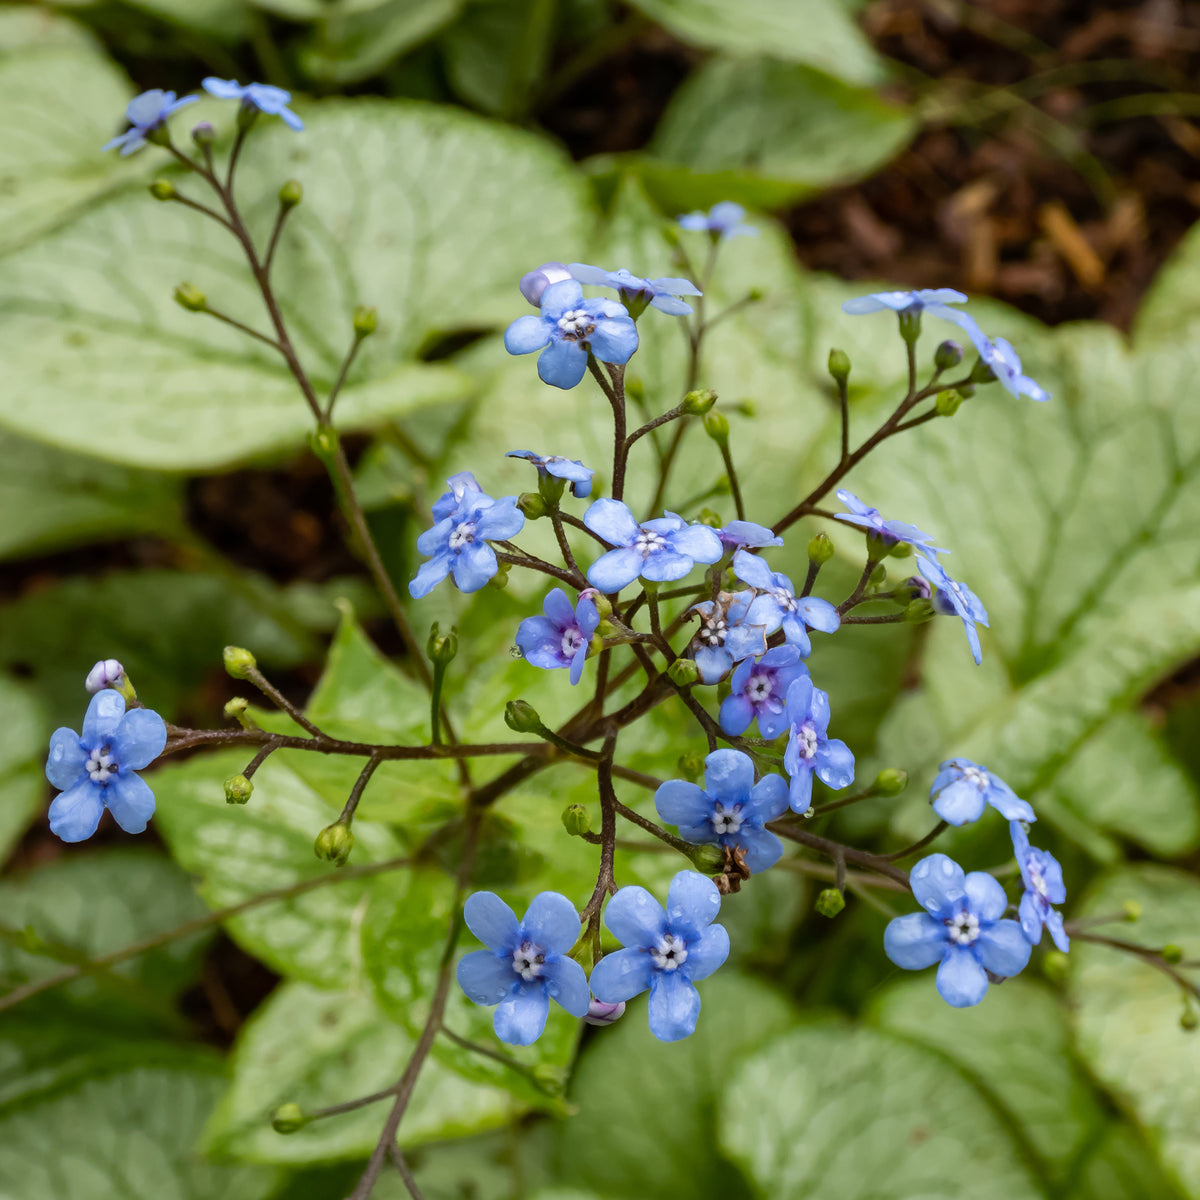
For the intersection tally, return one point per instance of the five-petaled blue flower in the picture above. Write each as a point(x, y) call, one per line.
point(667, 952)
point(725, 635)
point(145, 113)
point(1044, 887)
point(570, 469)
point(873, 521)
point(562, 636)
point(730, 810)
point(961, 929)
point(95, 769)
point(778, 607)
point(1006, 366)
point(262, 96)
point(931, 300)
point(723, 220)
point(662, 550)
point(748, 533)
point(809, 750)
point(526, 964)
point(458, 543)
point(570, 328)
point(961, 788)
point(956, 599)
point(636, 292)
point(759, 689)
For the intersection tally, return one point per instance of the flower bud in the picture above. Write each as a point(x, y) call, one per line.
point(919, 611)
point(830, 902)
point(982, 373)
point(707, 859)
point(442, 649)
point(901, 550)
point(247, 115)
point(1188, 1021)
point(575, 820)
point(710, 518)
point(1055, 966)
point(521, 717)
point(238, 662)
point(499, 581)
point(334, 843)
point(683, 672)
point(190, 297)
point(948, 403)
point(948, 354)
point(107, 673)
point(966, 390)
point(366, 319)
point(918, 587)
point(910, 324)
point(839, 365)
point(891, 781)
point(691, 765)
point(235, 710)
point(697, 403)
point(288, 1118)
point(163, 189)
point(536, 282)
point(203, 134)
point(291, 194)
point(878, 578)
point(600, 600)
point(532, 505)
point(599, 1013)
point(1171, 953)
point(238, 789)
point(1131, 910)
point(716, 425)
point(820, 548)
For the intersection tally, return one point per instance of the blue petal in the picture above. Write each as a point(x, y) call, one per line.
point(1004, 949)
point(140, 739)
point(915, 941)
point(561, 296)
point(834, 764)
point(751, 569)
point(698, 542)
point(562, 364)
point(614, 339)
point(1054, 923)
point(959, 802)
point(592, 276)
point(551, 922)
point(501, 520)
point(540, 643)
point(761, 848)
point(428, 576)
point(745, 640)
point(771, 724)
point(671, 306)
point(587, 617)
point(707, 951)
point(729, 776)
point(67, 758)
point(526, 334)
point(985, 896)
point(567, 984)
point(692, 903)
point(486, 977)
point(961, 980)
point(290, 119)
point(819, 614)
point(521, 1015)
point(1000, 796)
point(768, 799)
point(559, 609)
point(799, 700)
point(937, 883)
point(613, 521)
point(665, 566)
point(578, 663)
point(224, 89)
point(800, 790)
point(492, 921)
point(75, 813)
point(681, 803)
point(437, 536)
point(103, 718)
point(736, 714)
point(674, 1006)
point(130, 800)
point(621, 976)
point(634, 918)
point(1030, 911)
point(713, 662)
point(474, 566)
point(615, 570)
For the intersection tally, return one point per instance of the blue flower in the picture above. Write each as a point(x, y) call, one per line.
point(891, 532)
point(95, 769)
point(961, 788)
point(723, 220)
point(569, 328)
point(636, 292)
point(778, 607)
point(461, 485)
point(534, 283)
point(725, 635)
point(662, 550)
point(571, 469)
point(748, 533)
point(809, 751)
point(145, 113)
point(525, 965)
point(667, 952)
point(560, 638)
point(1006, 366)
point(458, 543)
point(931, 300)
point(954, 598)
point(759, 689)
point(261, 96)
point(1043, 879)
point(961, 929)
point(730, 810)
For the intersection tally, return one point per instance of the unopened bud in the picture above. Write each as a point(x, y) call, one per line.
point(334, 843)
point(683, 672)
point(918, 588)
point(1171, 953)
point(830, 902)
point(910, 324)
point(203, 134)
point(288, 1118)
point(982, 373)
point(107, 673)
point(919, 611)
point(238, 789)
point(366, 319)
point(901, 550)
point(291, 194)
point(711, 519)
point(599, 599)
point(599, 1013)
point(948, 354)
point(576, 821)
point(716, 425)
point(697, 403)
point(536, 282)
point(235, 710)
point(532, 505)
point(247, 115)
point(839, 365)
point(948, 403)
point(499, 581)
point(1131, 910)
point(163, 189)
point(190, 297)
point(891, 781)
point(442, 648)
point(878, 578)
point(238, 662)
point(691, 765)
point(820, 548)
point(1188, 1021)
point(521, 717)
point(1055, 966)
point(708, 860)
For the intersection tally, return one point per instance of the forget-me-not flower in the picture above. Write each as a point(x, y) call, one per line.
point(724, 220)
point(568, 329)
point(146, 113)
point(729, 810)
point(561, 637)
point(961, 788)
point(1044, 887)
point(934, 301)
point(570, 469)
point(667, 952)
point(962, 929)
point(759, 689)
point(261, 96)
point(1006, 366)
point(636, 292)
point(459, 485)
point(956, 599)
point(809, 749)
point(96, 769)
point(873, 521)
point(778, 607)
point(725, 635)
point(525, 965)
point(534, 283)
point(662, 550)
point(748, 533)
point(457, 544)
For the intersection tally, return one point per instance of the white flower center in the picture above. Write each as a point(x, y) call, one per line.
point(1036, 879)
point(758, 688)
point(670, 954)
point(576, 325)
point(527, 961)
point(100, 766)
point(647, 543)
point(963, 928)
point(726, 820)
point(462, 535)
point(713, 631)
point(572, 639)
point(978, 776)
point(806, 740)
point(784, 599)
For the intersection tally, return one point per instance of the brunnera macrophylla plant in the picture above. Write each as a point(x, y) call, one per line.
point(696, 612)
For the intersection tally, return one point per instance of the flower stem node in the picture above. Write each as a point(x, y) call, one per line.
point(830, 902)
point(708, 859)
point(948, 403)
point(521, 717)
point(948, 354)
point(289, 1118)
point(204, 134)
point(163, 189)
point(291, 194)
point(532, 505)
point(189, 296)
point(366, 320)
point(1131, 910)
point(891, 781)
point(576, 821)
point(839, 365)
point(334, 843)
point(820, 549)
point(683, 672)
point(1055, 966)
point(917, 612)
point(442, 648)
point(238, 789)
point(691, 765)
point(697, 403)
point(1171, 954)
point(238, 662)
point(716, 425)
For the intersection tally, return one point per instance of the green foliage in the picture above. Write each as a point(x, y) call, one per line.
point(23, 732)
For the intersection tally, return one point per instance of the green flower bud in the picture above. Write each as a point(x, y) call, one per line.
point(238, 789)
point(711, 519)
point(910, 324)
point(746, 408)
point(238, 662)
point(1188, 1021)
point(1055, 966)
point(575, 820)
point(1171, 953)
point(291, 194)
point(163, 189)
point(442, 649)
point(716, 425)
point(697, 403)
point(891, 781)
point(901, 550)
point(160, 135)
point(499, 581)
point(708, 860)
point(683, 672)
point(365, 321)
point(982, 373)
point(600, 600)
point(919, 611)
point(521, 717)
point(190, 297)
point(820, 548)
point(1132, 910)
point(235, 710)
point(532, 505)
point(247, 115)
point(839, 365)
point(288, 1118)
point(334, 843)
point(878, 578)
point(830, 902)
point(691, 765)
point(948, 403)
point(966, 390)
point(204, 134)
point(948, 354)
